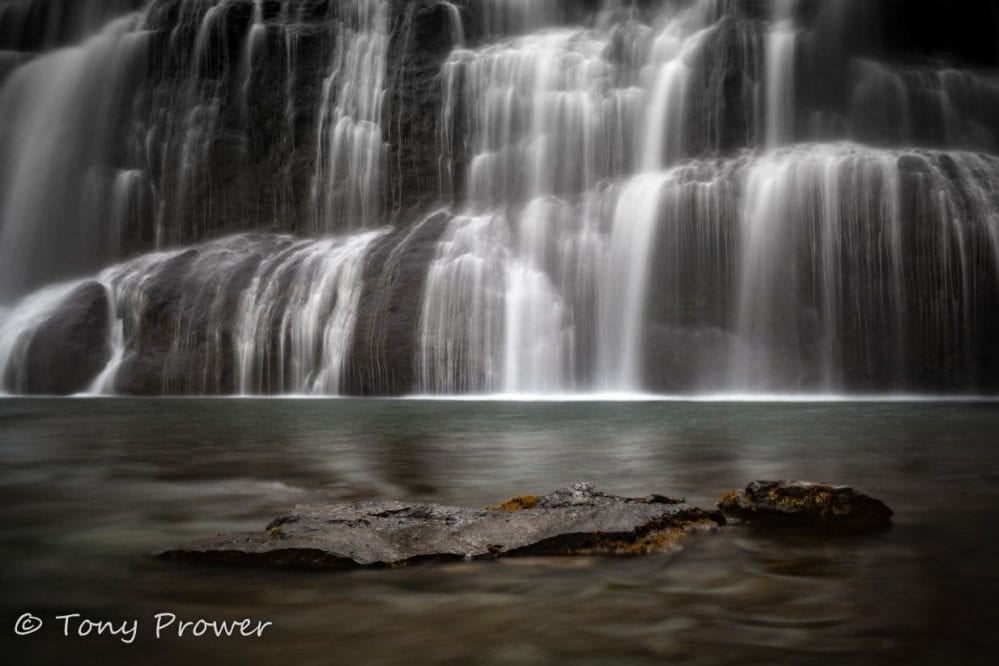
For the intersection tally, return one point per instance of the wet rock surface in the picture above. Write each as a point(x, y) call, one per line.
point(575, 520)
point(806, 504)
point(578, 519)
point(69, 349)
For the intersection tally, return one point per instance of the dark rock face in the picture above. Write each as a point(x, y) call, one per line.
point(383, 358)
point(575, 520)
point(803, 503)
point(70, 348)
point(728, 74)
point(420, 42)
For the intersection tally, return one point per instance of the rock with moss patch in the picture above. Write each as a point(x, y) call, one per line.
point(804, 503)
point(575, 520)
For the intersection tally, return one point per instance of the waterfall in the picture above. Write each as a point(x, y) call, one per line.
point(825, 233)
point(57, 115)
point(623, 288)
point(347, 189)
point(923, 105)
point(188, 128)
point(258, 315)
point(539, 349)
point(497, 197)
point(105, 381)
point(461, 321)
point(512, 16)
point(780, 61)
point(542, 116)
point(549, 118)
point(456, 24)
point(296, 319)
point(672, 53)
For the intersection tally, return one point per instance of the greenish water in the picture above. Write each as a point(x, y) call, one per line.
point(89, 488)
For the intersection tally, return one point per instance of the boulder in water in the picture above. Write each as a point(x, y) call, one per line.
point(803, 503)
point(70, 348)
point(575, 520)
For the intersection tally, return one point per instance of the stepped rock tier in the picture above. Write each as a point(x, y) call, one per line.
point(388, 197)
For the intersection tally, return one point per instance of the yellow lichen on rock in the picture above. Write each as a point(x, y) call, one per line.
point(730, 497)
point(519, 503)
point(818, 499)
point(651, 538)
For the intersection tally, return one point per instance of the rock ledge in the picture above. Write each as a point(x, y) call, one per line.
point(578, 519)
point(575, 520)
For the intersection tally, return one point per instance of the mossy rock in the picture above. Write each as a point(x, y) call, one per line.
point(805, 503)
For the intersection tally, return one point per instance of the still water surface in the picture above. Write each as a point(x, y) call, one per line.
point(89, 488)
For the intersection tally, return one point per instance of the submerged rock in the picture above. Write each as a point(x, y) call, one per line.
point(575, 520)
point(804, 503)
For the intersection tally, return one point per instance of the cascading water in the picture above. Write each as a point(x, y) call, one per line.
point(673, 51)
point(815, 203)
point(550, 117)
point(461, 329)
point(259, 315)
point(296, 319)
point(686, 197)
point(780, 51)
point(164, 127)
point(58, 114)
point(923, 105)
point(347, 189)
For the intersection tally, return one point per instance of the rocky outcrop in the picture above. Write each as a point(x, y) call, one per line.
point(575, 520)
point(803, 503)
point(578, 519)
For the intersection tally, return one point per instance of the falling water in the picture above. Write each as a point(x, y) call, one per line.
point(939, 106)
point(456, 23)
point(260, 315)
point(672, 56)
point(296, 318)
point(512, 16)
point(461, 322)
point(623, 288)
point(550, 117)
point(823, 262)
point(543, 115)
point(106, 108)
point(58, 116)
point(780, 61)
point(350, 160)
point(684, 197)
point(104, 383)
